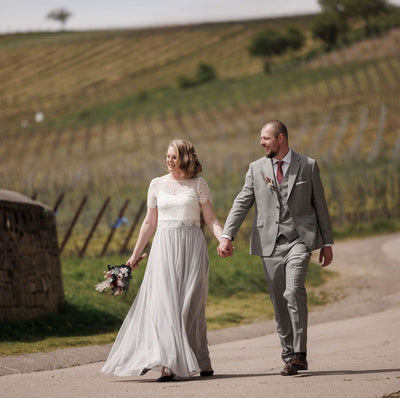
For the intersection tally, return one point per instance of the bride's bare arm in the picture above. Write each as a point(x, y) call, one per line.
point(146, 231)
point(211, 220)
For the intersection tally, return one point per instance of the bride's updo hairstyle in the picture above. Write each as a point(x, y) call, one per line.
point(187, 159)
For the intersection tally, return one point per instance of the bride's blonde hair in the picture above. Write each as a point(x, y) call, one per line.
point(187, 159)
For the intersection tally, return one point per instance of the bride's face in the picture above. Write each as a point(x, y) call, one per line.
point(171, 160)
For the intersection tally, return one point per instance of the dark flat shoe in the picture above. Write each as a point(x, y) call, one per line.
point(288, 370)
point(299, 362)
point(164, 379)
point(206, 373)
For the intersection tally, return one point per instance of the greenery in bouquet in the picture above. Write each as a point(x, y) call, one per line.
point(117, 279)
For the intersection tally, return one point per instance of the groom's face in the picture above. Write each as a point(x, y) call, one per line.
point(269, 142)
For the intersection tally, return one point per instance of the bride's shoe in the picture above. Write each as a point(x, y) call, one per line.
point(207, 372)
point(166, 375)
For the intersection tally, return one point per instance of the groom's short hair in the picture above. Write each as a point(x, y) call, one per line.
point(279, 128)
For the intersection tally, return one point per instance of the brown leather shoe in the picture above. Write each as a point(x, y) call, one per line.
point(288, 370)
point(299, 362)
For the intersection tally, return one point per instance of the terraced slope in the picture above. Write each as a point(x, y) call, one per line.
point(111, 106)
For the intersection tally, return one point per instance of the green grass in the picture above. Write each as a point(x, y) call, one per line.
point(377, 227)
point(238, 295)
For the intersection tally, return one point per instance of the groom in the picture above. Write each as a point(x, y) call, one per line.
point(291, 219)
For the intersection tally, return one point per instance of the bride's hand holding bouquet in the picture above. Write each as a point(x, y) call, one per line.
point(117, 277)
point(133, 262)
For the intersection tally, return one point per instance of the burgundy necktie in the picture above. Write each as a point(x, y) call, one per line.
point(279, 173)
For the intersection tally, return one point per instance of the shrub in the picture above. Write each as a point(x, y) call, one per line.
point(205, 73)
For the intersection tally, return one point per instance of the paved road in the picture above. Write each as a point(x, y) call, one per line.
point(354, 347)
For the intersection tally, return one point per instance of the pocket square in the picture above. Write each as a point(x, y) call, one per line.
point(300, 182)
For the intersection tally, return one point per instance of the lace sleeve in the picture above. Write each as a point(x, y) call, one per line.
point(203, 191)
point(152, 194)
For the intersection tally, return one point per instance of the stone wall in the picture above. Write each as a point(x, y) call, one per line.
point(30, 270)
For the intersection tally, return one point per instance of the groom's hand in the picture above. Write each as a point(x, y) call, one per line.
point(225, 248)
point(326, 256)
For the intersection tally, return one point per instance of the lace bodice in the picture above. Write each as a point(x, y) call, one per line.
point(178, 202)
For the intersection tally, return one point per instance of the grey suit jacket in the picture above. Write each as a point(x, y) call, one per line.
point(306, 203)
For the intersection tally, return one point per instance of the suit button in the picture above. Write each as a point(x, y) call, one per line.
point(276, 222)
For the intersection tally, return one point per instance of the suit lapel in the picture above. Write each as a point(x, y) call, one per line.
point(268, 169)
point(293, 170)
point(268, 173)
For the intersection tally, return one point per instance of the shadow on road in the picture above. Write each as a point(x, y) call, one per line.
point(197, 378)
point(345, 372)
point(348, 372)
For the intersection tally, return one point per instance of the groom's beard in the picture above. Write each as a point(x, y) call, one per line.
point(271, 154)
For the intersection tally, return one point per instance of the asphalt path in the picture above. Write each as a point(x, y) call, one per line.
point(353, 350)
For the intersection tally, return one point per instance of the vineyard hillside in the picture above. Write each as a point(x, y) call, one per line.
point(91, 113)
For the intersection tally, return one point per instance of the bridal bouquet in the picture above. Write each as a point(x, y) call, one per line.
point(117, 278)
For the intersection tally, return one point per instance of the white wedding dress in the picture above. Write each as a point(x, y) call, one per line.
point(166, 325)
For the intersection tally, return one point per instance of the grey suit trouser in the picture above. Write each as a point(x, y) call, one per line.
point(286, 271)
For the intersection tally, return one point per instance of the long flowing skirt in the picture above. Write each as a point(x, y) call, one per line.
point(166, 325)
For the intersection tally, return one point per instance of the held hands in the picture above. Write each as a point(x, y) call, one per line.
point(134, 262)
point(225, 248)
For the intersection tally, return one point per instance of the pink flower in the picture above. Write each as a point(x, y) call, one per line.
point(269, 181)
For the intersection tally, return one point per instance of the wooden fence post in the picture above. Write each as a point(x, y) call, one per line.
point(73, 222)
point(114, 227)
point(134, 224)
point(58, 202)
point(94, 226)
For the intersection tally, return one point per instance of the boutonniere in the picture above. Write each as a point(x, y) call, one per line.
point(269, 182)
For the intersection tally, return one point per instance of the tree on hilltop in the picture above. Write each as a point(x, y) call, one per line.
point(355, 9)
point(295, 38)
point(269, 43)
point(367, 10)
point(61, 15)
point(339, 9)
point(326, 28)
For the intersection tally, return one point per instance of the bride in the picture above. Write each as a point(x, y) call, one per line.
point(166, 325)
